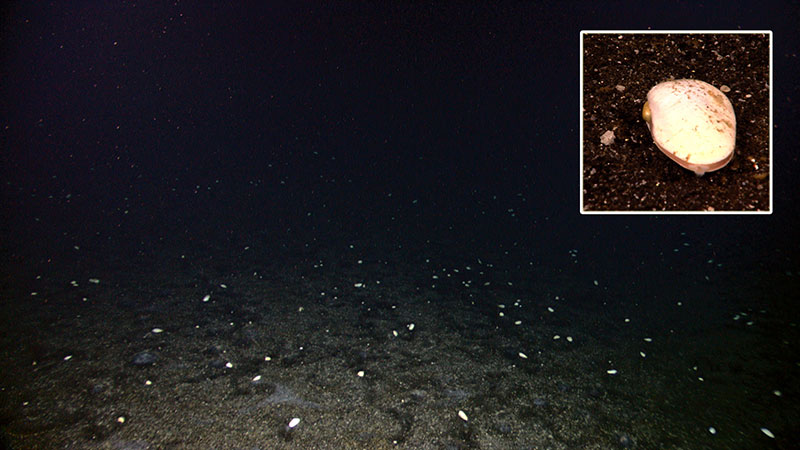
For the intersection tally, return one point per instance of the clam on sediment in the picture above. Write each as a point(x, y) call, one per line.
point(693, 123)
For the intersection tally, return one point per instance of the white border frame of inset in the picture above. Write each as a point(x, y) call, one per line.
point(651, 213)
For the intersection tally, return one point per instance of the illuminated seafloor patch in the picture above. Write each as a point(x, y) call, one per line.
point(373, 346)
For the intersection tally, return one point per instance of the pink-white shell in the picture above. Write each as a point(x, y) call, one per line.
point(693, 123)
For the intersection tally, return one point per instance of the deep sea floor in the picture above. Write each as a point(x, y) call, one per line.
point(376, 345)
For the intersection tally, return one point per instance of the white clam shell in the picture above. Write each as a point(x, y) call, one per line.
point(693, 123)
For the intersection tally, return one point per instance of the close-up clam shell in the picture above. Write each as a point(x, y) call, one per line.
point(693, 123)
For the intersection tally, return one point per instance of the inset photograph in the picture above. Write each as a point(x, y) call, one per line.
point(676, 122)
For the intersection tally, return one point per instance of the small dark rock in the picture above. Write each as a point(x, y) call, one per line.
point(504, 428)
point(595, 393)
point(418, 394)
point(217, 364)
point(144, 358)
point(291, 360)
point(214, 350)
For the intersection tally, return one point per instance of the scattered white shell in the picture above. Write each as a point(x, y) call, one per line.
point(712, 430)
point(768, 433)
point(462, 415)
point(693, 123)
point(294, 422)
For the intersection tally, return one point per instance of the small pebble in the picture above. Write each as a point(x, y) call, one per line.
point(607, 138)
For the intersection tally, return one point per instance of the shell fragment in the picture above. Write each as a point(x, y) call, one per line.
point(693, 123)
